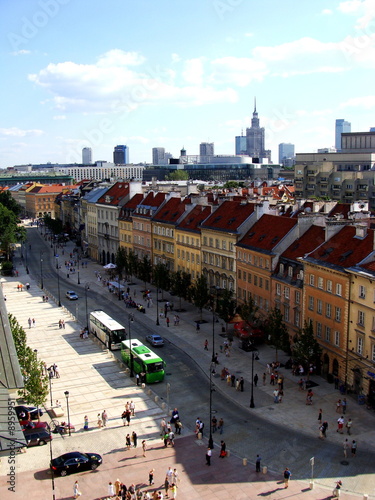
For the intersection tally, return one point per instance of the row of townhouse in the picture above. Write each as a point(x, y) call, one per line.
point(315, 264)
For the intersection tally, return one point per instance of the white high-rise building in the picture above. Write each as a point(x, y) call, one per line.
point(341, 127)
point(87, 156)
point(158, 155)
point(206, 149)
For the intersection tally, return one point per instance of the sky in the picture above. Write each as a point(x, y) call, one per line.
point(175, 73)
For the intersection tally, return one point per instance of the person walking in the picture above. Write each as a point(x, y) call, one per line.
point(111, 490)
point(340, 425)
point(241, 384)
point(338, 406)
point(287, 475)
point(343, 406)
point(276, 396)
point(320, 414)
point(257, 463)
point(346, 446)
point(127, 416)
point(166, 485)
point(336, 491)
point(128, 442)
point(29, 321)
point(100, 422)
point(223, 452)
point(208, 456)
point(167, 320)
point(104, 418)
point(206, 345)
point(132, 408)
point(349, 424)
point(256, 378)
point(76, 492)
point(117, 487)
point(264, 378)
point(134, 439)
point(174, 490)
point(220, 426)
point(324, 428)
point(214, 424)
point(86, 423)
point(144, 447)
point(151, 477)
point(354, 448)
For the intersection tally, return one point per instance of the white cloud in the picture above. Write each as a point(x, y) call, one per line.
point(21, 52)
point(327, 12)
point(363, 8)
point(249, 35)
point(193, 72)
point(366, 102)
point(59, 117)
point(350, 6)
point(237, 70)
point(175, 58)
point(17, 132)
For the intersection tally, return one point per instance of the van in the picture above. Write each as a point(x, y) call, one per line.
point(37, 437)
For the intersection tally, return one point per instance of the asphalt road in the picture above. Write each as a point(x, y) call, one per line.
point(246, 434)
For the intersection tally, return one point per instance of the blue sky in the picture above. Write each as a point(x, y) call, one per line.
point(170, 73)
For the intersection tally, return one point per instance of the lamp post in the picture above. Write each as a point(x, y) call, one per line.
point(41, 270)
point(52, 473)
point(157, 306)
point(119, 287)
point(50, 386)
point(252, 405)
point(58, 279)
point(87, 287)
point(27, 269)
point(78, 269)
point(131, 319)
point(212, 364)
point(67, 406)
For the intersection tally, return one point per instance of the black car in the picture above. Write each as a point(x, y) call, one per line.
point(75, 462)
point(23, 412)
point(37, 437)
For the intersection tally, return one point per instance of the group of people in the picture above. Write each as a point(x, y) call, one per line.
point(237, 382)
point(61, 324)
point(51, 371)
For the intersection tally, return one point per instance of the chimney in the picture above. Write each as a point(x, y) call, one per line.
point(360, 231)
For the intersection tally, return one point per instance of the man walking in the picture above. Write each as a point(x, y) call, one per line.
point(287, 475)
point(208, 456)
point(349, 424)
point(257, 463)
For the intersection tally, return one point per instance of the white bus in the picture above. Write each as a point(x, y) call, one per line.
point(107, 330)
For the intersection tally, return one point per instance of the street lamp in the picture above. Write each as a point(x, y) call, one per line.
point(52, 473)
point(78, 269)
point(87, 287)
point(50, 386)
point(252, 405)
point(27, 269)
point(131, 319)
point(41, 270)
point(157, 306)
point(67, 406)
point(58, 279)
point(212, 365)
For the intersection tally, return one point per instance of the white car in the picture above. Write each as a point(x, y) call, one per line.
point(155, 340)
point(71, 295)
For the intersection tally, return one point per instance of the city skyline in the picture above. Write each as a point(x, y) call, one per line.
point(156, 83)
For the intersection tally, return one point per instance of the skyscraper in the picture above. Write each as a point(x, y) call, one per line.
point(121, 155)
point(286, 154)
point(158, 155)
point(255, 140)
point(86, 156)
point(206, 149)
point(241, 146)
point(341, 127)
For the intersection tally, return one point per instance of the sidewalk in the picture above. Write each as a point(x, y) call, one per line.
point(293, 410)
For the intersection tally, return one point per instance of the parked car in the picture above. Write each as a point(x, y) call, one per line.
point(23, 412)
point(37, 437)
point(29, 424)
point(155, 340)
point(75, 462)
point(71, 295)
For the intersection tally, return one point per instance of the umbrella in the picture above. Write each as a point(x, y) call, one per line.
point(110, 266)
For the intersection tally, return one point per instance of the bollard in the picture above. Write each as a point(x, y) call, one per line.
point(244, 461)
point(200, 435)
point(365, 496)
point(143, 386)
point(228, 453)
point(265, 469)
point(311, 485)
point(149, 392)
point(163, 405)
point(156, 399)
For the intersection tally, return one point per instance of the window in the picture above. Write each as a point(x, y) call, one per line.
point(211, 241)
point(320, 283)
point(318, 329)
point(311, 303)
point(319, 306)
point(337, 338)
point(290, 272)
point(224, 245)
point(297, 297)
point(278, 289)
point(362, 292)
point(360, 345)
point(266, 284)
point(328, 310)
point(217, 244)
point(312, 280)
point(255, 280)
point(338, 314)
point(260, 282)
point(286, 313)
point(248, 277)
point(361, 318)
point(260, 261)
point(328, 334)
point(373, 352)
point(281, 268)
point(338, 289)
point(286, 292)
point(329, 286)
point(297, 318)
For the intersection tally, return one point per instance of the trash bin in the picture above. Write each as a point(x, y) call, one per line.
point(264, 470)
point(361, 399)
point(244, 461)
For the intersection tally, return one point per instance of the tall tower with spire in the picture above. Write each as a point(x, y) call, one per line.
point(255, 139)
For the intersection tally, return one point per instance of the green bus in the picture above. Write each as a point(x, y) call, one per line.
point(144, 360)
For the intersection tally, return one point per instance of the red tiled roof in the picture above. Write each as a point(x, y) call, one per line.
point(344, 249)
point(115, 194)
point(171, 211)
point(134, 202)
point(310, 240)
point(370, 266)
point(229, 216)
point(54, 188)
point(267, 232)
point(193, 219)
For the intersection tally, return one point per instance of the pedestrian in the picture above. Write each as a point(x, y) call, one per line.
point(320, 415)
point(208, 456)
point(167, 320)
point(63, 324)
point(281, 395)
point(264, 378)
point(223, 447)
point(104, 418)
point(349, 424)
point(60, 325)
point(127, 416)
point(220, 426)
point(214, 424)
point(309, 396)
point(117, 487)
point(34, 324)
point(111, 490)
point(123, 491)
point(56, 370)
point(206, 345)
point(324, 428)
point(144, 447)
point(233, 380)
point(175, 477)
point(29, 321)
point(338, 406)
point(340, 425)
point(151, 477)
point(276, 396)
point(86, 423)
point(137, 378)
point(257, 463)
point(134, 439)
point(163, 427)
point(197, 327)
point(100, 422)
point(123, 417)
point(256, 379)
point(132, 408)
point(174, 490)
point(287, 475)
point(336, 491)
point(343, 406)
point(346, 446)
point(76, 492)
point(241, 384)
point(127, 442)
point(166, 485)
point(354, 448)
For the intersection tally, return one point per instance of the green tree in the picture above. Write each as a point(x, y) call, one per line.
point(199, 293)
point(225, 306)
point(161, 277)
point(231, 185)
point(10, 231)
point(54, 225)
point(120, 261)
point(277, 332)
point(145, 270)
point(306, 349)
point(132, 263)
point(178, 175)
point(249, 312)
point(10, 203)
point(180, 284)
